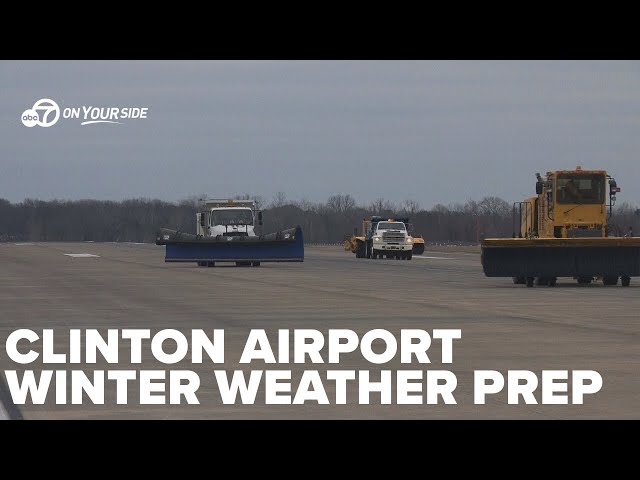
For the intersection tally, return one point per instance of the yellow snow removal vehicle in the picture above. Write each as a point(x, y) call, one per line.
point(563, 231)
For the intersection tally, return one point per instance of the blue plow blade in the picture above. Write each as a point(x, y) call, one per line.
point(282, 246)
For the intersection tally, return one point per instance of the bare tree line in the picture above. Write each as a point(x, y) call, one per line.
point(138, 220)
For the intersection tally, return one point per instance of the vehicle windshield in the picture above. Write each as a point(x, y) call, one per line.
point(580, 188)
point(391, 226)
point(235, 216)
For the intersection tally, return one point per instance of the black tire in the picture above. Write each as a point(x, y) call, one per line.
point(210, 264)
point(255, 264)
point(202, 264)
point(541, 281)
point(552, 281)
point(368, 250)
point(610, 280)
point(626, 281)
point(397, 256)
point(530, 281)
point(584, 280)
point(409, 255)
point(418, 249)
point(518, 280)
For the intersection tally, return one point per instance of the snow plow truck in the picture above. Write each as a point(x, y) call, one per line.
point(225, 232)
point(565, 231)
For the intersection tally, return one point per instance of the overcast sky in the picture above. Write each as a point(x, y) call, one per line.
point(430, 131)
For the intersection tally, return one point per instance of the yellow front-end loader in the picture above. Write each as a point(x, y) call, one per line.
point(564, 231)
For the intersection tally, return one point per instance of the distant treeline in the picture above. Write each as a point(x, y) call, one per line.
point(138, 220)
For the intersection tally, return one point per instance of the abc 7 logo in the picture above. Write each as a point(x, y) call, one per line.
point(45, 113)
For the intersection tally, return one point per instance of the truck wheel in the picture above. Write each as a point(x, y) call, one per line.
point(610, 280)
point(584, 280)
point(202, 264)
point(369, 250)
point(397, 256)
point(409, 255)
point(518, 280)
point(541, 281)
point(255, 264)
point(210, 264)
point(552, 281)
point(530, 281)
point(626, 281)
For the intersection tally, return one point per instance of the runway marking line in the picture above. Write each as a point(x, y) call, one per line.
point(435, 258)
point(81, 255)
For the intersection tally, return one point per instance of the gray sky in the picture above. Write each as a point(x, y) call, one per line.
point(431, 131)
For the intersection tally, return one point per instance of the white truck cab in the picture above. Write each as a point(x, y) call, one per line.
point(392, 239)
point(228, 218)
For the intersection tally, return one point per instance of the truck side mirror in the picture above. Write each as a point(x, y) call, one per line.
point(613, 187)
point(259, 218)
point(538, 188)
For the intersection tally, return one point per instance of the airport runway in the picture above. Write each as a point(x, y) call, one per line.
point(504, 326)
